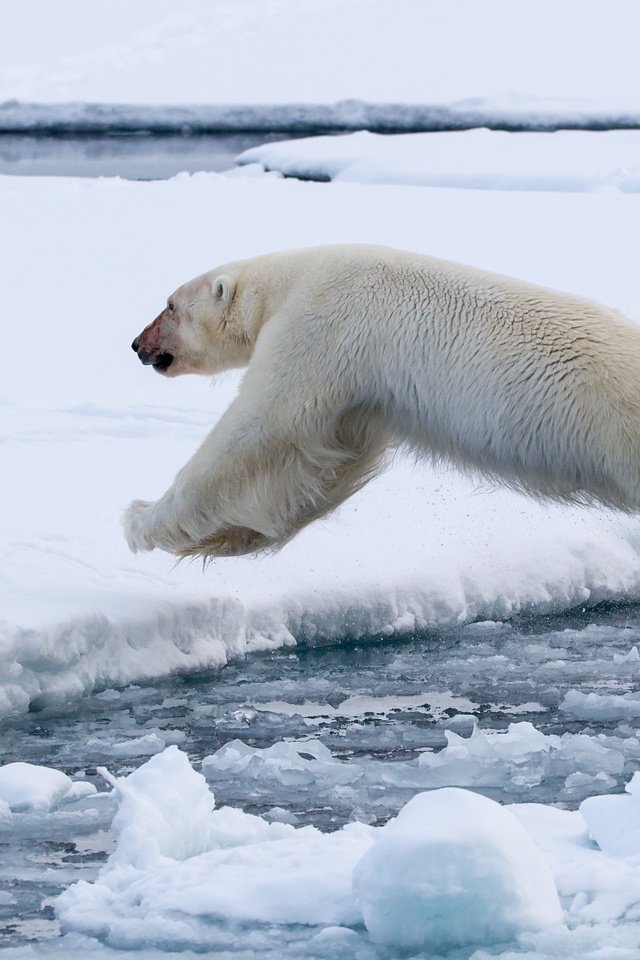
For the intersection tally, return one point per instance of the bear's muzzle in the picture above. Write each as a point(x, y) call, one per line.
point(159, 360)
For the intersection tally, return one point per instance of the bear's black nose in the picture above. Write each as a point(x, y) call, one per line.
point(134, 345)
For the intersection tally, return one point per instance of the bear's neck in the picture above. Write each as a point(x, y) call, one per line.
point(262, 292)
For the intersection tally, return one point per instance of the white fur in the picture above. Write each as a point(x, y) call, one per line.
point(352, 350)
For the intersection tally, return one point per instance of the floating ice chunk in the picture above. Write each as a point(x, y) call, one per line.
point(26, 786)
point(515, 744)
point(181, 867)
point(78, 790)
point(632, 657)
point(150, 825)
point(280, 815)
point(454, 868)
point(295, 763)
point(184, 874)
point(520, 757)
point(579, 782)
point(146, 745)
point(614, 821)
point(338, 943)
point(150, 822)
point(598, 706)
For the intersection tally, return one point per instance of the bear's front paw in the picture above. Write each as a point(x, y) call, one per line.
point(135, 522)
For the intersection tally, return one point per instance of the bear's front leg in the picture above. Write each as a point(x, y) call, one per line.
point(196, 507)
point(161, 524)
point(259, 477)
point(138, 524)
point(133, 526)
point(139, 519)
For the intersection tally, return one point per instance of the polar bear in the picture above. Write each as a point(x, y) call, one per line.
point(355, 349)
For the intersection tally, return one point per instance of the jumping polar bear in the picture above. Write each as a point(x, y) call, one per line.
point(354, 349)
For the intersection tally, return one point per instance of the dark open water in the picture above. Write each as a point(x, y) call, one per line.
point(410, 692)
point(131, 156)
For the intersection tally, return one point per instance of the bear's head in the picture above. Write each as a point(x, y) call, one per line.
point(202, 329)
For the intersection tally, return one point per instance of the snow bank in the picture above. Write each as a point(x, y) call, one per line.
point(454, 868)
point(479, 159)
point(250, 51)
point(86, 430)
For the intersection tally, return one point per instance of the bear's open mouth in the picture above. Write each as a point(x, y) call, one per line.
point(163, 362)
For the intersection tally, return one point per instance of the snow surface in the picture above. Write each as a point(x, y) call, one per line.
point(478, 159)
point(85, 429)
point(582, 52)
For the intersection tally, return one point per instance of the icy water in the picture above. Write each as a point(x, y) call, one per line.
point(134, 157)
point(364, 726)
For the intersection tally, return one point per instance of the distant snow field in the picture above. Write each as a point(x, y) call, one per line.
point(576, 55)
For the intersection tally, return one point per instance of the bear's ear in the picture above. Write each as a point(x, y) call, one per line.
point(222, 288)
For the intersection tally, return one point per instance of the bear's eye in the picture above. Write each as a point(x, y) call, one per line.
point(170, 305)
